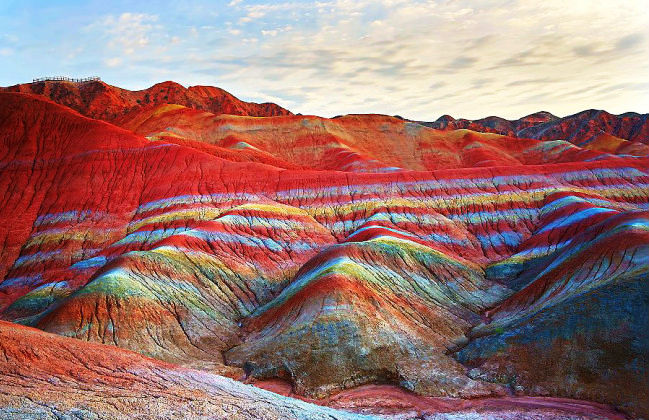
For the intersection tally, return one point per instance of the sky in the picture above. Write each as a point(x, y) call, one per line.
point(417, 59)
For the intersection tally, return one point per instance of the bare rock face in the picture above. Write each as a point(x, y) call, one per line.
point(332, 254)
point(583, 306)
point(361, 312)
point(97, 381)
point(594, 129)
point(47, 376)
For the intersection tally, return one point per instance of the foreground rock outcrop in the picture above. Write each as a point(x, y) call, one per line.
point(46, 376)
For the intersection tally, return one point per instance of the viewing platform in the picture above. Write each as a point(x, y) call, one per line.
point(66, 79)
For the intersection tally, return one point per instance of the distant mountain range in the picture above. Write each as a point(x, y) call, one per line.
point(581, 128)
point(97, 99)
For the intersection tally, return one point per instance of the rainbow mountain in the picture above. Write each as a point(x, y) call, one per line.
point(161, 247)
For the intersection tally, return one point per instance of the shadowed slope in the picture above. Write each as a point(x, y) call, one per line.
point(583, 301)
point(189, 288)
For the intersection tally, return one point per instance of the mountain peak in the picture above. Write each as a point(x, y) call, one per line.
point(99, 100)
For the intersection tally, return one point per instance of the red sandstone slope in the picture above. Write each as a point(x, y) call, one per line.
point(354, 143)
point(47, 376)
point(103, 101)
point(52, 157)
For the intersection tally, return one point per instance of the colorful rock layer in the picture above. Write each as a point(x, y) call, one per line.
point(44, 376)
point(100, 100)
point(593, 129)
point(329, 253)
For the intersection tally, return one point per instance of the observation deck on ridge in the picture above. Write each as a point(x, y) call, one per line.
point(66, 79)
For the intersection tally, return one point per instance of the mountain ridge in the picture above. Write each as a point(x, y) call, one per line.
point(579, 128)
point(97, 99)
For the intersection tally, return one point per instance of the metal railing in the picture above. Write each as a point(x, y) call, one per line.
point(66, 79)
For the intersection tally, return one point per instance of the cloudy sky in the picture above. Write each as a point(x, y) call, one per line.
point(418, 59)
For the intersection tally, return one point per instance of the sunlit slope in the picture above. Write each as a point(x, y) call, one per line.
point(354, 143)
point(100, 100)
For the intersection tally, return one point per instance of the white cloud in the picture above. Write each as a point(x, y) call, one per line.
point(128, 31)
point(416, 58)
point(486, 56)
point(113, 62)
